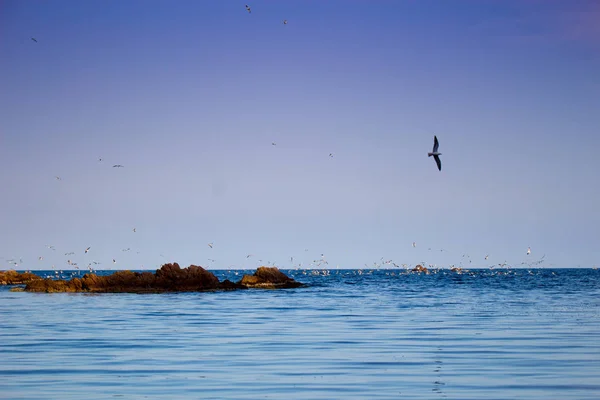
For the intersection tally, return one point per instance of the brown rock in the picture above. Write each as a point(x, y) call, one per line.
point(169, 278)
point(420, 268)
point(228, 285)
point(12, 277)
point(269, 278)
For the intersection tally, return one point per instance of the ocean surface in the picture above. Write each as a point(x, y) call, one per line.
point(351, 334)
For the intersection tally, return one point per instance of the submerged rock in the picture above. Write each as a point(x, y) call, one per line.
point(12, 277)
point(169, 278)
point(269, 278)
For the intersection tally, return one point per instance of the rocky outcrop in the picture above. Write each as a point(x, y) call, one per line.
point(169, 278)
point(12, 277)
point(419, 268)
point(269, 278)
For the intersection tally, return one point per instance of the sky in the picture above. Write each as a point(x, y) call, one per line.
point(295, 144)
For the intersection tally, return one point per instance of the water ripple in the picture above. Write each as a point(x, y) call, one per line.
point(470, 336)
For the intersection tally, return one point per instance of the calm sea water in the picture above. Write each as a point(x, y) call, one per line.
point(350, 334)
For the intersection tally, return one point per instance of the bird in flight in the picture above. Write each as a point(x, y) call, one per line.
point(273, 144)
point(435, 153)
point(414, 244)
point(248, 9)
point(330, 154)
point(88, 249)
point(133, 230)
point(528, 250)
point(210, 245)
point(34, 39)
point(58, 178)
point(285, 21)
point(117, 166)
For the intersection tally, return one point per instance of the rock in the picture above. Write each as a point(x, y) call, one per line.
point(169, 278)
point(420, 268)
point(52, 286)
point(269, 278)
point(228, 285)
point(12, 277)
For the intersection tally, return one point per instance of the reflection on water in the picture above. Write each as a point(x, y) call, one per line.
point(353, 335)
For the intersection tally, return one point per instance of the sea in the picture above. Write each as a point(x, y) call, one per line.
point(349, 334)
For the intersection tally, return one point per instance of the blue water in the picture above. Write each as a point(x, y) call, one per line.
point(351, 334)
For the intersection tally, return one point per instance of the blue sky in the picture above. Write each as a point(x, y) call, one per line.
point(190, 95)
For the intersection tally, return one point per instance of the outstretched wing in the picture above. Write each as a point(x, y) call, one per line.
point(435, 144)
point(438, 162)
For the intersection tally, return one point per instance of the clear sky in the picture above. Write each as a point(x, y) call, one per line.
point(190, 95)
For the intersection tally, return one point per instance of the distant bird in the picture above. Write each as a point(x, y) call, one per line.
point(249, 255)
point(40, 258)
point(114, 261)
point(34, 39)
point(273, 144)
point(118, 166)
point(127, 249)
point(99, 159)
point(285, 21)
point(88, 249)
point(528, 250)
point(58, 178)
point(210, 245)
point(330, 154)
point(248, 8)
point(70, 253)
point(414, 244)
point(133, 230)
point(486, 257)
point(435, 153)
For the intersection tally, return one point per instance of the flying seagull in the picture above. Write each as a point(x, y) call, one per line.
point(88, 249)
point(133, 230)
point(210, 245)
point(528, 250)
point(285, 21)
point(117, 166)
point(435, 153)
point(248, 8)
point(34, 39)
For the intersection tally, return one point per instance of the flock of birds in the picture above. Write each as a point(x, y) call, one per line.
point(317, 263)
point(319, 266)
